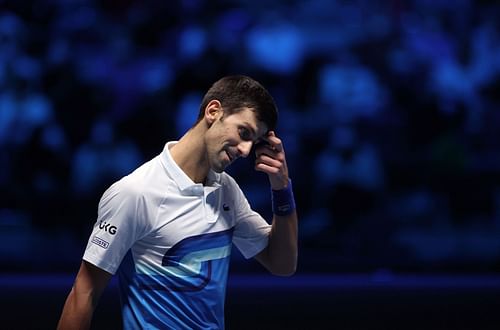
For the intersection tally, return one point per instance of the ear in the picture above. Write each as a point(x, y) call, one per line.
point(213, 110)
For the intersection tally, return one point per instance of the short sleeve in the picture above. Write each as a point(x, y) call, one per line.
point(251, 233)
point(120, 223)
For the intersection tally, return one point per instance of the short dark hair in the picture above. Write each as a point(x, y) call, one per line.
point(238, 92)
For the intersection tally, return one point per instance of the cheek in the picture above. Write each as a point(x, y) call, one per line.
point(232, 136)
point(221, 135)
point(214, 140)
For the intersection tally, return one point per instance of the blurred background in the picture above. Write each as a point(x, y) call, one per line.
point(389, 112)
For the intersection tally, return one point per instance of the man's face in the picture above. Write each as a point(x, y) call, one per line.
point(231, 137)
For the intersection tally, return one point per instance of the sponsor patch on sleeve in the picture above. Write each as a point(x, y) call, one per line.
point(99, 241)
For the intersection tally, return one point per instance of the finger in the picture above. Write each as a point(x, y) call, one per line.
point(273, 158)
point(274, 141)
point(265, 159)
point(266, 168)
point(268, 150)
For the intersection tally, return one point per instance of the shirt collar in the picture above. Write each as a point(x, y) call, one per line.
point(184, 182)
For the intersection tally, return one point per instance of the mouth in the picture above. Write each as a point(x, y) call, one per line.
point(229, 156)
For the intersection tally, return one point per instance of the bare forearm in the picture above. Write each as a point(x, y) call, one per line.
point(77, 312)
point(280, 255)
point(282, 247)
point(82, 300)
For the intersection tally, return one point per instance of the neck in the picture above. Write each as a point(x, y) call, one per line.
point(190, 154)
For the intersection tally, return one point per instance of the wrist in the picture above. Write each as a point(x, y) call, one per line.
point(283, 201)
point(279, 183)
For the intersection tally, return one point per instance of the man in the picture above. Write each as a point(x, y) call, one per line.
point(170, 224)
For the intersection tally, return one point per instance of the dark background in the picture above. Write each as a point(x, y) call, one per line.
point(389, 112)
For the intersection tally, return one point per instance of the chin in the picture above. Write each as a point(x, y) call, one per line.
point(218, 168)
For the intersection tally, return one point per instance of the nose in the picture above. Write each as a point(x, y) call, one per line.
point(244, 148)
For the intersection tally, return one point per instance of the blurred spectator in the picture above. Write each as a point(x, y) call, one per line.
point(389, 113)
point(102, 159)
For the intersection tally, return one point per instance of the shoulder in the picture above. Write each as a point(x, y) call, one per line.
point(227, 180)
point(128, 191)
point(231, 187)
point(128, 204)
point(140, 181)
point(122, 194)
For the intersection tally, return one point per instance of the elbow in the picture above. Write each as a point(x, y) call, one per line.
point(284, 273)
point(285, 270)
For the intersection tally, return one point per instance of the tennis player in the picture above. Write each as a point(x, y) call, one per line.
point(167, 228)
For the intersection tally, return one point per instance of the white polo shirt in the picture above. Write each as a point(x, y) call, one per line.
point(172, 240)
